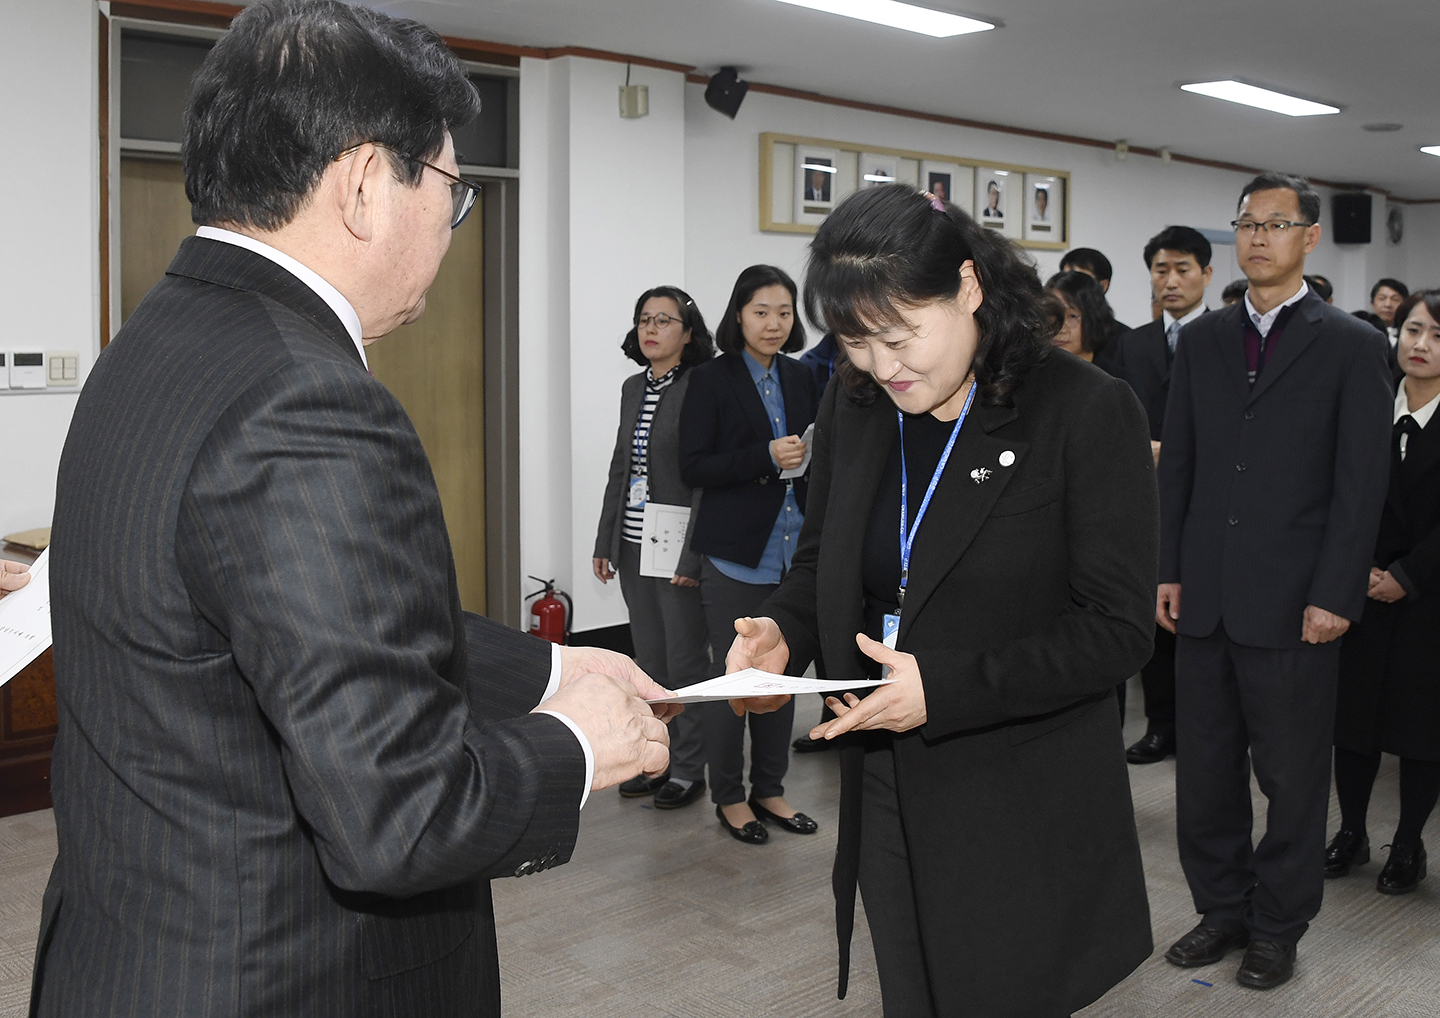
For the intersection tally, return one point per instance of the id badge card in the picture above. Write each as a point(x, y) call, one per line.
point(890, 634)
point(639, 492)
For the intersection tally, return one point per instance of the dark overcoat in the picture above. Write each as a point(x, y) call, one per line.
point(1030, 597)
point(287, 761)
point(1389, 697)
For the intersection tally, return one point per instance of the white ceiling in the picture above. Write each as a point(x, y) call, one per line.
point(1101, 68)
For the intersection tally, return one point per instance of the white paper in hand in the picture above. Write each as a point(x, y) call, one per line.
point(808, 438)
point(25, 620)
point(753, 682)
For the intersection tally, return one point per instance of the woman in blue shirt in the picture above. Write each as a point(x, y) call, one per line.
point(740, 429)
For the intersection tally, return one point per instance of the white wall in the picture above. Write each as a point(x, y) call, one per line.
point(49, 208)
point(602, 220)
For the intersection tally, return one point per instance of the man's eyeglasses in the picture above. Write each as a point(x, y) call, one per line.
point(1250, 227)
point(462, 192)
point(659, 321)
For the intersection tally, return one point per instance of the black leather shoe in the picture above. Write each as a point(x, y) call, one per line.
point(640, 786)
point(673, 795)
point(798, 824)
point(1154, 747)
point(1204, 945)
point(805, 744)
point(1403, 870)
point(753, 833)
point(1266, 965)
point(1346, 849)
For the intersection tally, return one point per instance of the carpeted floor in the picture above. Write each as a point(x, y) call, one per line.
point(663, 914)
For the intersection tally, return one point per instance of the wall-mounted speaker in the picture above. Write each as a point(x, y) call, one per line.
point(726, 92)
point(1351, 216)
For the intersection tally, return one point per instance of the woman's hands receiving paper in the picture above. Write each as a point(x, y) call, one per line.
point(758, 644)
point(896, 707)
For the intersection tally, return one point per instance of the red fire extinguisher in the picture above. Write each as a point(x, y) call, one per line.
point(549, 619)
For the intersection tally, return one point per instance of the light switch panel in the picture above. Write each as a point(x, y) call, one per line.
point(4, 369)
point(62, 367)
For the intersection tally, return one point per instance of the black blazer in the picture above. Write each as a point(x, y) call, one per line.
point(1389, 674)
point(1031, 595)
point(1270, 496)
point(287, 763)
point(1142, 358)
point(725, 441)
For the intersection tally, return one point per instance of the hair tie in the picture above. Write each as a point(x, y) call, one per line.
point(935, 203)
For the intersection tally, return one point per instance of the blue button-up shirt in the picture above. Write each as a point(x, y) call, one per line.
point(780, 548)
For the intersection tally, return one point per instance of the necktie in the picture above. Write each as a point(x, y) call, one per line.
point(1406, 425)
point(1172, 334)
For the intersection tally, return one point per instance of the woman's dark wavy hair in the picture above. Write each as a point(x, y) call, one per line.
point(728, 336)
point(886, 250)
point(697, 351)
point(1430, 298)
point(296, 82)
point(1098, 327)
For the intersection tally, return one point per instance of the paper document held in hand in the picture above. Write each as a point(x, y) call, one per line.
point(753, 682)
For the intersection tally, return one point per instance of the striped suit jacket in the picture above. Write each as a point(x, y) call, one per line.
point(287, 763)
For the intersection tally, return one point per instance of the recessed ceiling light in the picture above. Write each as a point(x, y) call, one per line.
point(1430, 150)
point(894, 14)
point(1261, 98)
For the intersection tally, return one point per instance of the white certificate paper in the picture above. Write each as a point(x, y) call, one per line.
point(754, 682)
point(662, 538)
point(808, 438)
point(25, 620)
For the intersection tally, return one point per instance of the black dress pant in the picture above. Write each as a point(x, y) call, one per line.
point(1276, 708)
point(726, 600)
point(1157, 678)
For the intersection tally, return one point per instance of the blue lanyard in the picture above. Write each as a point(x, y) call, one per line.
point(907, 538)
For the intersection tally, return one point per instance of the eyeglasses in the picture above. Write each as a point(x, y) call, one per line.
point(1251, 227)
point(659, 321)
point(462, 192)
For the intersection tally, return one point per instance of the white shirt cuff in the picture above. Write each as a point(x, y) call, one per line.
point(551, 689)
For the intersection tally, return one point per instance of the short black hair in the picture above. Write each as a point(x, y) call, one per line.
point(1394, 284)
point(1431, 300)
point(700, 348)
point(887, 249)
point(1179, 238)
point(295, 83)
point(1083, 292)
point(1321, 286)
point(1235, 289)
point(1306, 195)
point(1089, 260)
point(1372, 318)
point(728, 336)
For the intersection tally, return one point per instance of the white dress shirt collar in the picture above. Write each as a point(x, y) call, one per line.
point(1170, 319)
point(1263, 322)
point(1422, 416)
point(331, 296)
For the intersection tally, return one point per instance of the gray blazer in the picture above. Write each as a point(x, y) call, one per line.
point(288, 764)
point(666, 487)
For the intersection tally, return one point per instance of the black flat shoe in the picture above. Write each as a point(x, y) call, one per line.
point(1403, 870)
point(1266, 965)
point(805, 744)
point(798, 824)
point(640, 786)
point(1204, 945)
point(672, 795)
point(1346, 849)
point(753, 833)
point(1152, 748)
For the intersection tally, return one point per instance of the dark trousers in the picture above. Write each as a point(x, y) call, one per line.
point(726, 600)
point(1279, 707)
point(667, 625)
point(1157, 678)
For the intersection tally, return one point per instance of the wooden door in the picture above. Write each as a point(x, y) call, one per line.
point(436, 368)
point(154, 219)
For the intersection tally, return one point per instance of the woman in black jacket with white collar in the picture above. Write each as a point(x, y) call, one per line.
point(741, 428)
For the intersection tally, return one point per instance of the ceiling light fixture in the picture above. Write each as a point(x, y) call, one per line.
point(1430, 150)
point(893, 14)
point(818, 166)
point(1260, 98)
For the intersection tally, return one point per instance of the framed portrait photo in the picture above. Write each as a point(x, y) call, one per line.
point(815, 183)
point(948, 181)
point(991, 197)
point(877, 170)
point(1044, 207)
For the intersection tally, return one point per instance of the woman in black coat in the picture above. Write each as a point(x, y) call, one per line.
point(1389, 693)
point(985, 806)
point(741, 427)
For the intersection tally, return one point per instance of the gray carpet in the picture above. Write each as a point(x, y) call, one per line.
point(663, 914)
